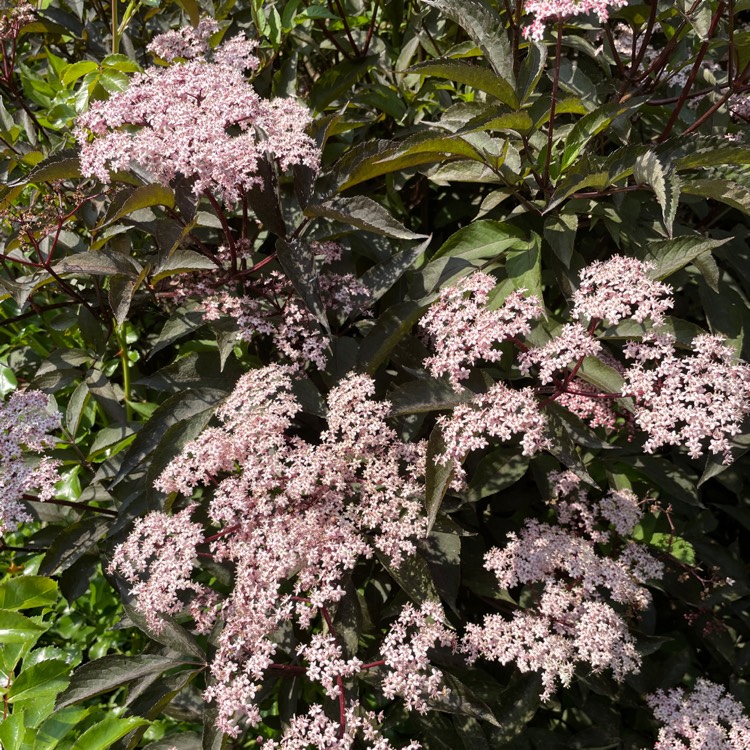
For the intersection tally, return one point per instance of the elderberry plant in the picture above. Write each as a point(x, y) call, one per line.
point(379, 369)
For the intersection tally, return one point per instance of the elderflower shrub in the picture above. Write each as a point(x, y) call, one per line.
point(401, 371)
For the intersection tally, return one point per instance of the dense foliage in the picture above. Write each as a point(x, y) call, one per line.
point(373, 375)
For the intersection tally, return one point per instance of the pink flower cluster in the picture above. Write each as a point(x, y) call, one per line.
point(270, 306)
point(501, 412)
point(705, 718)
point(572, 343)
point(620, 288)
point(544, 10)
point(157, 560)
point(463, 330)
point(571, 621)
point(25, 427)
point(288, 510)
point(404, 651)
point(199, 118)
point(316, 730)
point(690, 400)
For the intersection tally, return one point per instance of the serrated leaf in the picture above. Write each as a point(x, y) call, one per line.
point(482, 240)
point(381, 277)
point(390, 328)
point(669, 256)
point(438, 476)
point(531, 71)
point(560, 232)
point(297, 259)
point(62, 166)
point(172, 634)
point(414, 577)
point(175, 409)
point(364, 213)
point(649, 170)
point(47, 677)
point(25, 592)
point(143, 196)
point(731, 193)
point(104, 734)
point(105, 674)
point(17, 628)
point(183, 261)
point(12, 731)
point(482, 79)
point(483, 25)
point(99, 263)
point(421, 396)
point(594, 123)
point(73, 542)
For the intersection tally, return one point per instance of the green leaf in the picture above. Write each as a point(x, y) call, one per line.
point(337, 81)
point(482, 240)
point(483, 25)
point(57, 727)
point(12, 731)
point(25, 592)
point(104, 734)
point(420, 396)
point(381, 277)
point(8, 381)
point(183, 261)
point(47, 677)
point(482, 79)
point(98, 263)
point(560, 232)
point(143, 196)
point(17, 628)
point(109, 672)
point(364, 213)
point(531, 71)
point(731, 193)
point(669, 256)
point(649, 170)
point(77, 70)
point(114, 81)
point(675, 546)
point(390, 328)
point(438, 476)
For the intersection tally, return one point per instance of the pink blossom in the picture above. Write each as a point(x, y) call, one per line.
point(405, 650)
point(569, 620)
point(570, 345)
point(500, 413)
point(706, 717)
point(157, 559)
point(180, 120)
point(25, 427)
point(620, 288)
point(692, 400)
point(294, 515)
point(464, 331)
point(544, 10)
point(325, 663)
